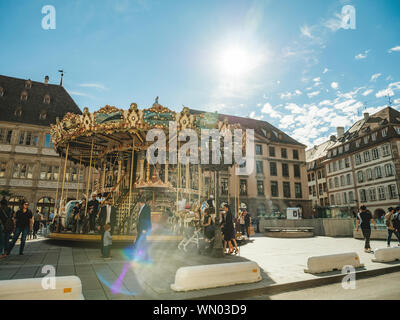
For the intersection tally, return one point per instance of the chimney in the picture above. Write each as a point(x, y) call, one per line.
point(46, 79)
point(366, 116)
point(340, 132)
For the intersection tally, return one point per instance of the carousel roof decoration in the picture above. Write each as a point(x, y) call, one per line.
point(117, 131)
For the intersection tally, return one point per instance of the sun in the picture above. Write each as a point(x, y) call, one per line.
point(235, 61)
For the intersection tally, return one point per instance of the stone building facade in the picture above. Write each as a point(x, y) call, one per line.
point(29, 165)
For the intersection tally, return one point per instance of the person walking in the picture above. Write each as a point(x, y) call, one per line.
point(389, 216)
point(36, 223)
point(6, 226)
point(241, 223)
point(229, 231)
point(93, 209)
point(143, 227)
point(108, 215)
point(247, 223)
point(23, 225)
point(76, 217)
point(107, 242)
point(364, 219)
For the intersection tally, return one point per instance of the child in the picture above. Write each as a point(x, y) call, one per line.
point(107, 242)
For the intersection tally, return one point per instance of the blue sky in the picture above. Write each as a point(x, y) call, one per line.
point(286, 62)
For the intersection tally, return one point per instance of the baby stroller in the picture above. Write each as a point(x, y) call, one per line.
point(192, 235)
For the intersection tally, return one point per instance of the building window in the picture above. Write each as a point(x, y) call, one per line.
point(331, 183)
point(346, 147)
point(358, 159)
point(47, 141)
point(49, 172)
point(297, 190)
point(375, 154)
point(243, 187)
point(340, 150)
point(274, 189)
point(384, 132)
point(285, 170)
point(338, 199)
point(259, 167)
point(347, 162)
point(258, 149)
point(23, 171)
point(369, 174)
point(348, 179)
point(296, 168)
point(372, 194)
point(344, 197)
point(334, 152)
point(366, 139)
point(296, 154)
point(392, 191)
point(329, 167)
point(286, 189)
point(272, 151)
point(332, 200)
point(358, 142)
point(5, 136)
point(374, 136)
point(319, 175)
point(388, 170)
point(272, 169)
point(360, 176)
point(336, 182)
point(24, 96)
point(334, 166)
point(381, 193)
point(385, 150)
point(363, 195)
point(351, 196)
point(340, 164)
point(367, 156)
point(224, 186)
point(260, 187)
point(3, 166)
point(284, 153)
point(28, 138)
point(378, 172)
point(341, 181)
point(46, 99)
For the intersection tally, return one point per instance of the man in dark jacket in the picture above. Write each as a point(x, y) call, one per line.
point(143, 230)
point(108, 214)
point(93, 210)
point(6, 226)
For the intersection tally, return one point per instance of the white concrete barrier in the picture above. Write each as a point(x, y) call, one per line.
point(387, 254)
point(215, 275)
point(66, 288)
point(332, 262)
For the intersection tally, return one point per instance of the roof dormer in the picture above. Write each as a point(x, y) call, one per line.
point(46, 99)
point(24, 95)
point(18, 111)
point(28, 84)
point(1, 92)
point(43, 114)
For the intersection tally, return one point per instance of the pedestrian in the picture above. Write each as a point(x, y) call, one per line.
point(241, 223)
point(76, 217)
point(258, 224)
point(364, 219)
point(36, 223)
point(93, 209)
point(389, 216)
point(144, 227)
point(229, 231)
point(23, 225)
point(247, 223)
point(209, 229)
point(107, 242)
point(108, 215)
point(6, 226)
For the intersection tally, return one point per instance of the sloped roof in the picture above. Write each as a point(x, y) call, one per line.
point(60, 102)
point(319, 151)
point(260, 127)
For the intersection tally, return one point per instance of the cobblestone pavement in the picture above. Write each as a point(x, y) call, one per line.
point(281, 261)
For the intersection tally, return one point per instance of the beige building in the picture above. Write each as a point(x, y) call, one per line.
point(363, 165)
point(29, 165)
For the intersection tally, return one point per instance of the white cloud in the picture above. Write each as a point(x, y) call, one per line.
point(286, 121)
point(386, 92)
point(313, 94)
point(394, 49)
point(268, 109)
point(396, 101)
point(334, 24)
point(335, 85)
point(289, 95)
point(362, 55)
point(367, 92)
point(325, 70)
point(80, 94)
point(253, 116)
point(317, 79)
point(306, 31)
point(294, 108)
point(326, 103)
point(375, 76)
point(93, 85)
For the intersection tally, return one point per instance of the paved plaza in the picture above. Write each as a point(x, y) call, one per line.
point(281, 261)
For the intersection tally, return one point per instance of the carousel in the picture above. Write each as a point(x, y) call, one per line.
point(110, 147)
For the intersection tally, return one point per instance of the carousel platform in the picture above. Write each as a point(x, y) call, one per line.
point(67, 236)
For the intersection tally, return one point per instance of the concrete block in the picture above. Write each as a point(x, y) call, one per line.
point(66, 288)
point(387, 254)
point(327, 263)
point(215, 275)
